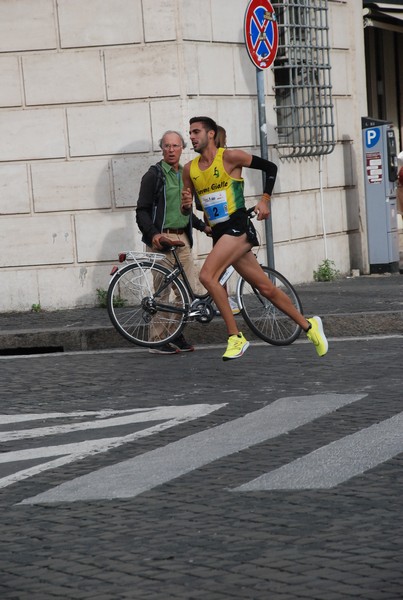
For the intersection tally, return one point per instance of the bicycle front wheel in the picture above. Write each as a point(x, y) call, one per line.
point(263, 318)
point(144, 306)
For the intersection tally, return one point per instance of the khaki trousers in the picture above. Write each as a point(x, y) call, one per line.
point(159, 330)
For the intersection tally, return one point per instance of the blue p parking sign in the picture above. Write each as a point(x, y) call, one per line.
point(372, 137)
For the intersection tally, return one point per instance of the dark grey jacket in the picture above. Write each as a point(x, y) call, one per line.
point(151, 206)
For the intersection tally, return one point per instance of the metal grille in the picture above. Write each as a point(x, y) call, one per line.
point(303, 88)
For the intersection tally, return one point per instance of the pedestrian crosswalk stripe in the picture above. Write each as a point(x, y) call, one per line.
point(134, 476)
point(61, 454)
point(337, 462)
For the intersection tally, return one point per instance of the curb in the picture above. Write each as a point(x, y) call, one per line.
point(106, 337)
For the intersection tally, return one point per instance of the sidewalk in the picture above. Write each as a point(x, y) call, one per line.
point(366, 305)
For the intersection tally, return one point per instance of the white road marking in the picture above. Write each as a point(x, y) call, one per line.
point(337, 462)
point(159, 414)
point(171, 416)
point(132, 477)
point(8, 419)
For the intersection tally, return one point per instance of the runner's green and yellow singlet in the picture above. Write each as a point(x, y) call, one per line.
point(220, 195)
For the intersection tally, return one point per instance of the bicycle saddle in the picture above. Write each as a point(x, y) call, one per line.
point(167, 243)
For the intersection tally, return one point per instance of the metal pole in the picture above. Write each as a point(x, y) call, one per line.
point(322, 205)
point(264, 154)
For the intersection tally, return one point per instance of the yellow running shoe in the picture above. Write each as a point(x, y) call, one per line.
point(317, 335)
point(236, 347)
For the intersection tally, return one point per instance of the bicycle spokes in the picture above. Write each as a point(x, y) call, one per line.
point(263, 317)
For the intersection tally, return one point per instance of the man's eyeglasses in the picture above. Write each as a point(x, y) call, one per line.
point(171, 146)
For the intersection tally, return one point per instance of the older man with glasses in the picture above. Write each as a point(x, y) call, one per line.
point(158, 215)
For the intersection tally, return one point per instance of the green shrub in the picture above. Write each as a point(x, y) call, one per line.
point(326, 271)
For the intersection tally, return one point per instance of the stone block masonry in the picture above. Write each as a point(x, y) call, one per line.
point(87, 89)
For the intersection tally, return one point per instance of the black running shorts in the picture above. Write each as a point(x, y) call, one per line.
point(238, 224)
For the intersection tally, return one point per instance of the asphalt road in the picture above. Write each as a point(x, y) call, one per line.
point(130, 475)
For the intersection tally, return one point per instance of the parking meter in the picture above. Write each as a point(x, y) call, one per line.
point(380, 174)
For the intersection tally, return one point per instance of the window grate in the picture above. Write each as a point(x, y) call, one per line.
point(303, 89)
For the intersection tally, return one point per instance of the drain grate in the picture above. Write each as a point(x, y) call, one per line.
point(32, 350)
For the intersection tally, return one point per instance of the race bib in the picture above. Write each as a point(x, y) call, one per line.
point(216, 207)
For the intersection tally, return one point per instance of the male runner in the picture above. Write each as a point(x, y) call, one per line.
point(216, 178)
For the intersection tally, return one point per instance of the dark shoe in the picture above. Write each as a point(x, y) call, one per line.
point(182, 345)
point(164, 349)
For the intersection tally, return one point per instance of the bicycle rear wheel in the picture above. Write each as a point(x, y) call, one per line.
point(263, 318)
point(144, 307)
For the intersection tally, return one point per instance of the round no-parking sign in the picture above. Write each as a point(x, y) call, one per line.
point(261, 33)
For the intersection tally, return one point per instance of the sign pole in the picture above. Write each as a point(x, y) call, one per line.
point(264, 154)
point(261, 40)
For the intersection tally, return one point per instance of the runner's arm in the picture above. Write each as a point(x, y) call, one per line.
point(262, 208)
point(267, 167)
point(234, 160)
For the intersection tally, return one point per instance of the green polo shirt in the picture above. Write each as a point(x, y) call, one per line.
point(173, 192)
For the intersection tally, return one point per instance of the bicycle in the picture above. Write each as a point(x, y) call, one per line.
point(150, 304)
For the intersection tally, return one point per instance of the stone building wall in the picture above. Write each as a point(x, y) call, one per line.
point(87, 89)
